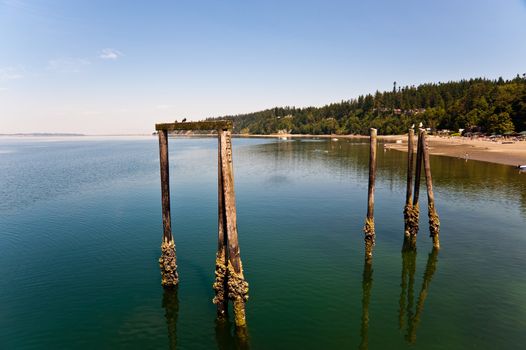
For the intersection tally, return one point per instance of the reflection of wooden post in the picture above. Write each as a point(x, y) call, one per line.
point(403, 292)
point(434, 222)
point(226, 340)
point(167, 261)
point(220, 284)
point(369, 221)
point(410, 261)
point(171, 312)
point(367, 284)
point(236, 285)
point(408, 209)
point(407, 284)
point(428, 275)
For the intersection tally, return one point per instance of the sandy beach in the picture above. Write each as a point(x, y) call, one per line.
point(476, 149)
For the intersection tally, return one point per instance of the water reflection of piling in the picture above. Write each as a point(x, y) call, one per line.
point(224, 338)
point(407, 291)
point(428, 276)
point(408, 278)
point(409, 260)
point(367, 284)
point(171, 312)
point(369, 221)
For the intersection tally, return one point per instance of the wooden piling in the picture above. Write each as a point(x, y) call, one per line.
point(220, 284)
point(414, 214)
point(236, 285)
point(369, 221)
point(408, 209)
point(167, 261)
point(434, 221)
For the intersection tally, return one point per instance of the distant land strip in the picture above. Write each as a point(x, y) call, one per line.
point(476, 105)
point(45, 134)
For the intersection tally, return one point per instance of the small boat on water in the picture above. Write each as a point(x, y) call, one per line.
point(521, 167)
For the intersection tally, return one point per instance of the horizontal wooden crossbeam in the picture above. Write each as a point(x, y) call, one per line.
point(210, 125)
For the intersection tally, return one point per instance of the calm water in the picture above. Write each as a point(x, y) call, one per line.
point(80, 234)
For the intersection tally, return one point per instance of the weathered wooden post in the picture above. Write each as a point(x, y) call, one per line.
point(408, 209)
point(369, 221)
point(414, 214)
point(229, 279)
point(237, 287)
point(434, 222)
point(220, 284)
point(167, 261)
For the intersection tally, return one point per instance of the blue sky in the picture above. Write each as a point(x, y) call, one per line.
point(105, 67)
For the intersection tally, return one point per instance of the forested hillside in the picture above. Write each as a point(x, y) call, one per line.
point(489, 106)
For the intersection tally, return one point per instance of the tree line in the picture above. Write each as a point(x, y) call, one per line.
point(478, 105)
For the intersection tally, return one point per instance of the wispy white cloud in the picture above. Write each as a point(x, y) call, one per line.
point(68, 65)
point(110, 54)
point(11, 73)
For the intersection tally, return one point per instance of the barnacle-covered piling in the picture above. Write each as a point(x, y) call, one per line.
point(434, 222)
point(408, 209)
point(412, 212)
point(167, 261)
point(168, 264)
point(236, 287)
point(220, 298)
point(220, 283)
point(368, 228)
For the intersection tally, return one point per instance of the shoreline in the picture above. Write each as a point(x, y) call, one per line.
point(512, 154)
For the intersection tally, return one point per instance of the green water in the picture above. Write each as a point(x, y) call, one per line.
point(80, 234)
